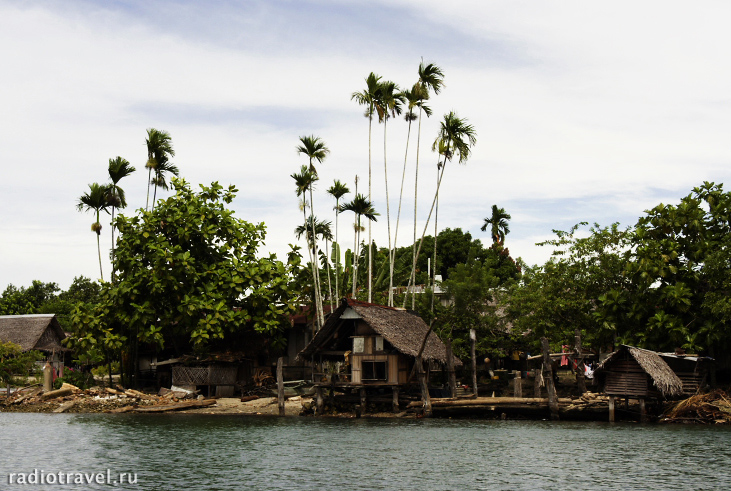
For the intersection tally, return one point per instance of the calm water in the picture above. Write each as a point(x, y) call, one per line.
point(221, 452)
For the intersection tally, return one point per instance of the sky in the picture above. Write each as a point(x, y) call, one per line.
point(584, 111)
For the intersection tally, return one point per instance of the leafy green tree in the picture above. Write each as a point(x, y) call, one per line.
point(678, 270)
point(498, 223)
point(13, 361)
point(96, 200)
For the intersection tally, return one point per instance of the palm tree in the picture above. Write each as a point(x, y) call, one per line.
point(314, 148)
point(431, 79)
point(96, 199)
point(159, 150)
point(304, 181)
point(413, 99)
point(455, 137)
point(337, 191)
point(119, 168)
point(323, 230)
point(362, 207)
point(369, 98)
point(163, 167)
point(388, 105)
point(498, 223)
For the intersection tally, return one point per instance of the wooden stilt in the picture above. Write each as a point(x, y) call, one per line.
point(473, 340)
point(580, 381)
point(643, 412)
point(395, 399)
point(537, 383)
point(280, 386)
point(611, 409)
point(518, 384)
point(451, 378)
point(320, 401)
point(363, 400)
point(548, 377)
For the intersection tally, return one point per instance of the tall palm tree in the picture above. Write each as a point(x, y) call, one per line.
point(455, 137)
point(305, 181)
point(337, 191)
point(369, 98)
point(164, 167)
point(498, 223)
point(96, 199)
point(413, 98)
point(362, 207)
point(389, 106)
point(323, 230)
point(431, 79)
point(119, 168)
point(314, 148)
point(159, 149)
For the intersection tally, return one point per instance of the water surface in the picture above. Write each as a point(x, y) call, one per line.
point(234, 453)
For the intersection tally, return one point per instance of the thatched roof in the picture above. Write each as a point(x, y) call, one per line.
point(663, 377)
point(38, 331)
point(403, 330)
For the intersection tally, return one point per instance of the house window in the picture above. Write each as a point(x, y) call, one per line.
point(379, 343)
point(374, 370)
point(358, 345)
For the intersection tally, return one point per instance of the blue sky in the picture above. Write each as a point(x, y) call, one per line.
point(583, 111)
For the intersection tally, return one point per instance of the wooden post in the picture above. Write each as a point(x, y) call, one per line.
point(643, 412)
point(47, 378)
point(518, 384)
point(424, 387)
point(580, 381)
point(320, 401)
point(548, 377)
point(363, 400)
point(451, 377)
point(395, 399)
point(611, 409)
point(473, 340)
point(280, 386)
point(537, 379)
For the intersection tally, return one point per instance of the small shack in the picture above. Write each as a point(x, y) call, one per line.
point(637, 373)
point(41, 332)
point(367, 346)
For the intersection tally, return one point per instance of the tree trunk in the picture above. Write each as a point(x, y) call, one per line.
point(428, 219)
point(398, 213)
point(548, 377)
point(99, 250)
point(370, 241)
point(412, 280)
point(580, 381)
point(315, 262)
point(388, 216)
point(426, 400)
point(434, 270)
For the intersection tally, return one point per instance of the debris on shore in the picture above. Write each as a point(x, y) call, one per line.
point(710, 408)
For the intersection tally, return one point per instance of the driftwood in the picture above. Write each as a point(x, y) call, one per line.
point(65, 406)
point(139, 395)
point(30, 394)
point(123, 409)
point(176, 407)
point(249, 398)
point(65, 390)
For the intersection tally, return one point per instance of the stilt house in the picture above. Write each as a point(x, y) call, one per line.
point(363, 344)
point(40, 332)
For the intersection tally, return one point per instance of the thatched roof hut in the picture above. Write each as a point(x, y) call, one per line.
point(637, 372)
point(404, 330)
point(33, 332)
